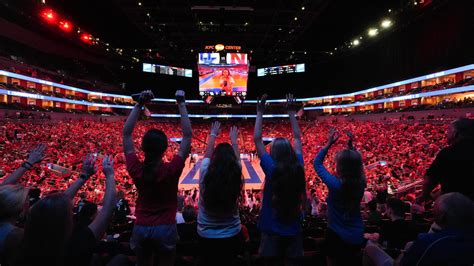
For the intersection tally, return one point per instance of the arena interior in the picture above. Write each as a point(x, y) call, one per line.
point(306, 132)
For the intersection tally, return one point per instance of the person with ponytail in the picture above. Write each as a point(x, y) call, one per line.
point(155, 235)
point(284, 191)
point(344, 236)
point(220, 187)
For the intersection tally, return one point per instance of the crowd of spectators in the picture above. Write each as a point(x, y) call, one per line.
point(396, 154)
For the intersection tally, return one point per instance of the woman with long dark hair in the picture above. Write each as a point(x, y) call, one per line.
point(344, 236)
point(155, 230)
point(51, 238)
point(284, 191)
point(220, 187)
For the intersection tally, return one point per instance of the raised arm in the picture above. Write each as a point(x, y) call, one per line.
point(35, 156)
point(128, 146)
point(292, 107)
point(234, 134)
point(257, 133)
point(215, 129)
point(88, 170)
point(322, 172)
point(101, 221)
point(185, 146)
point(350, 142)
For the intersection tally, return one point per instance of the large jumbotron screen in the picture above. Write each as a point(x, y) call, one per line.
point(223, 74)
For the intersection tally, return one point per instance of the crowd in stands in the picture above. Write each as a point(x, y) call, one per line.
point(369, 97)
point(337, 192)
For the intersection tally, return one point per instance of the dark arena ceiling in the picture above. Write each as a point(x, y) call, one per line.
point(177, 29)
point(424, 36)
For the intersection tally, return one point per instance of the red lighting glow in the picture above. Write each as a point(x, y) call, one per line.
point(48, 15)
point(87, 38)
point(65, 26)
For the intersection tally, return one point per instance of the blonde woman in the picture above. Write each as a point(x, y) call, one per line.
point(13, 202)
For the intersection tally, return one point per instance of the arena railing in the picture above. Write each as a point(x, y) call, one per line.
point(399, 83)
point(362, 103)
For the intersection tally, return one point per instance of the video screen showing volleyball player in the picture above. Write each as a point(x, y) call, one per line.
point(223, 74)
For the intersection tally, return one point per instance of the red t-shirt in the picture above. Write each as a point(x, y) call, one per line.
point(157, 202)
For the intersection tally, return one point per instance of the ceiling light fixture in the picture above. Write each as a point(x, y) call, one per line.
point(372, 32)
point(386, 23)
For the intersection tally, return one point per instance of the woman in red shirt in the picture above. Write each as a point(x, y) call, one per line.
point(157, 185)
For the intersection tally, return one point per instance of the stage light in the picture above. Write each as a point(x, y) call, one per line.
point(389, 11)
point(296, 18)
point(355, 42)
point(48, 15)
point(372, 32)
point(246, 24)
point(139, 3)
point(87, 38)
point(302, 8)
point(65, 26)
point(386, 23)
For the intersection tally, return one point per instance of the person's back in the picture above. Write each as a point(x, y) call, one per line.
point(344, 236)
point(449, 247)
point(220, 187)
point(453, 166)
point(453, 169)
point(395, 233)
point(156, 202)
point(347, 222)
point(157, 184)
point(454, 243)
point(284, 192)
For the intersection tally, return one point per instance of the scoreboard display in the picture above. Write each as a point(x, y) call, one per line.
point(277, 70)
point(223, 74)
point(167, 70)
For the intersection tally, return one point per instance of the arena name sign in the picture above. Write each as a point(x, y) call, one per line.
point(220, 47)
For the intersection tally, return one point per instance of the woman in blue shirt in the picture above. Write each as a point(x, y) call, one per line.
point(284, 191)
point(220, 187)
point(344, 236)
